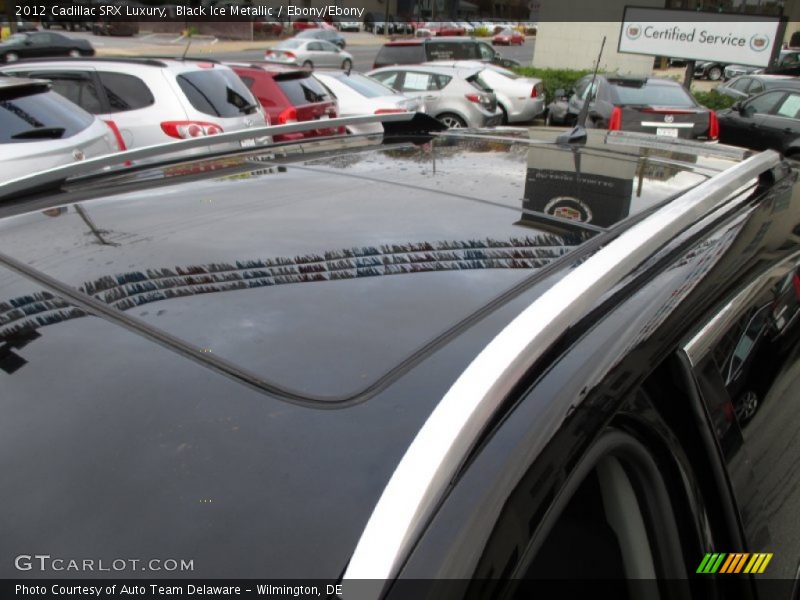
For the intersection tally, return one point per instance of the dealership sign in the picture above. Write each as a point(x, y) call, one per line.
point(727, 38)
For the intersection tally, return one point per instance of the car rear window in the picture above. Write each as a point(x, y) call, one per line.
point(21, 116)
point(217, 92)
point(125, 92)
point(367, 87)
point(479, 80)
point(452, 51)
point(400, 55)
point(652, 95)
point(303, 90)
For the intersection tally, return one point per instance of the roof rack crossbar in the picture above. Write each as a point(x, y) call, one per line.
point(58, 175)
point(432, 460)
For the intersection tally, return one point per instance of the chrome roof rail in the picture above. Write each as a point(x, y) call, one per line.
point(649, 140)
point(60, 174)
point(426, 470)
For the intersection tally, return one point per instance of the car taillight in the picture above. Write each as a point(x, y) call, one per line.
point(473, 98)
point(713, 126)
point(615, 122)
point(534, 92)
point(288, 116)
point(117, 135)
point(391, 111)
point(189, 129)
point(290, 54)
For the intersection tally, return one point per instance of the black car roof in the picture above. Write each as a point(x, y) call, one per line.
point(232, 334)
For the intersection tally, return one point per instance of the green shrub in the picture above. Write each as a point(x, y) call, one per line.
point(554, 79)
point(713, 100)
point(481, 32)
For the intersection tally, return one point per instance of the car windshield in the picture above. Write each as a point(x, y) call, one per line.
point(364, 85)
point(506, 32)
point(652, 95)
point(17, 38)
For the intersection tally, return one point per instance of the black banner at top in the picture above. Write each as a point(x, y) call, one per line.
point(412, 11)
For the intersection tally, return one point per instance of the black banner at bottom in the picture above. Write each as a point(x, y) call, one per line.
point(696, 587)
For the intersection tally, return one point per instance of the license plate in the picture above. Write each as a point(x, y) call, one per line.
point(249, 142)
point(667, 131)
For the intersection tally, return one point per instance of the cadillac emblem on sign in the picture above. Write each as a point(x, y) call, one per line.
point(567, 207)
point(759, 43)
point(633, 31)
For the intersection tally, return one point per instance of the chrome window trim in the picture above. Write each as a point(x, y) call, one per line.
point(439, 448)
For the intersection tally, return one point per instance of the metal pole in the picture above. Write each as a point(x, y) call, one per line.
point(688, 75)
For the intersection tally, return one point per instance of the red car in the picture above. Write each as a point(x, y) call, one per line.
point(305, 23)
point(266, 27)
point(441, 29)
point(289, 96)
point(508, 37)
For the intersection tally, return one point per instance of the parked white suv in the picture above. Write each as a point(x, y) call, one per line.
point(150, 101)
point(40, 130)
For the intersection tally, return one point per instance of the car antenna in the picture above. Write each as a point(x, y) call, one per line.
point(578, 133)
point(186, 50)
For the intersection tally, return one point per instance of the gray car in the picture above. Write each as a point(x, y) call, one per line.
point(327, 35)
point(309, 54)
point(40, 129)
point(455, 96)
point(521, 99)
point(749, 85)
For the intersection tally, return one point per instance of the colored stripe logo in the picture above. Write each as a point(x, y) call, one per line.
point(737, 562)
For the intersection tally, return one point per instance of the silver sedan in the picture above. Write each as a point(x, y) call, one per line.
point(309, 54)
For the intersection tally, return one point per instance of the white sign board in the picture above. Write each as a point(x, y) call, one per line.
point(728, 38)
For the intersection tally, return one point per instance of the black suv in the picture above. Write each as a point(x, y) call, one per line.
point(417, 51)
point(449, 361)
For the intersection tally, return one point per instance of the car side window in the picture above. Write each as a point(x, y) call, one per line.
point(419, 82)
point(388, 78)
point(41, 39)
point(78, 88)
point(328, 47)
point(756, 87)
point(486, 51)
point(440, 81)
point(741, 84)
point(624, 531)
point(764, 103)
point(125, 92)
point(582, 88)
point(590, 92)
point(790, 106)
point(315, 47)
point(748, 379)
